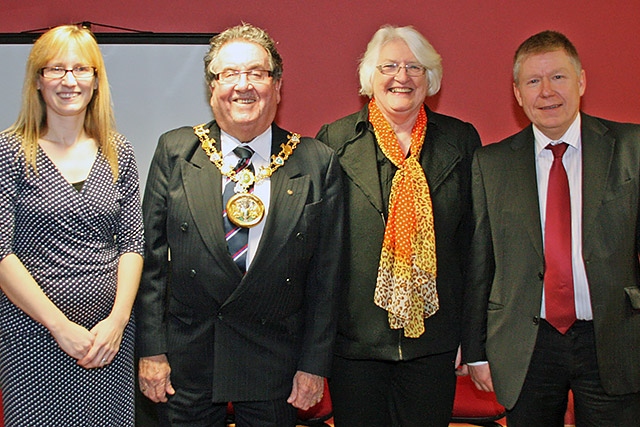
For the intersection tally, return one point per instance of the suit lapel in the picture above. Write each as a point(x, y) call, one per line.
point(597, 155)
point(359, 162)
point(203, 189)
point(439, 157)
point(523, 179)
point(289, 188)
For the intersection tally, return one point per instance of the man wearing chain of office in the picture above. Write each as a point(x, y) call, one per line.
point(241, 272)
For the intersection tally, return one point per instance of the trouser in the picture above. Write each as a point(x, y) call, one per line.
point(568, 362)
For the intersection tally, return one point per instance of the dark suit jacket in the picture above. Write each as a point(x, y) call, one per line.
point(504, 300)
point(279, 317)
point(363, 327)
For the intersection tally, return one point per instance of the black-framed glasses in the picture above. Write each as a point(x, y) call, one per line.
point(231, 77)
point(392, 69)
point(80, 72)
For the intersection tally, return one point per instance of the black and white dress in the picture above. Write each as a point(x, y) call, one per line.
point(70, 241)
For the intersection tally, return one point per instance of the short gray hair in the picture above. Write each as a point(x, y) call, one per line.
point(419, 46)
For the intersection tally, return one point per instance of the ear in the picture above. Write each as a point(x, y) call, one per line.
point(211, 89)
point(278, 86)
point(582, 82)
point(517, 93)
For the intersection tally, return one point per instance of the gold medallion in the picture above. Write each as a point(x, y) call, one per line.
point(245, 210)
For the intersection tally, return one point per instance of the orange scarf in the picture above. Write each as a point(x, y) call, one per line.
point(406, 283)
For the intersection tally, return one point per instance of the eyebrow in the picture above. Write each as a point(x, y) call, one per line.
point(250, 66)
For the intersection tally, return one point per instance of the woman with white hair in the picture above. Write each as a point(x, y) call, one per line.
point(408, 228)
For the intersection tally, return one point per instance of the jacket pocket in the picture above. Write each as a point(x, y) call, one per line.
point(180, 311)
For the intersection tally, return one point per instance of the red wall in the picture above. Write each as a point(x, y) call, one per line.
point(322, 40)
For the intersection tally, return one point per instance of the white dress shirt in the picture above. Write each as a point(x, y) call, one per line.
point(572, 161)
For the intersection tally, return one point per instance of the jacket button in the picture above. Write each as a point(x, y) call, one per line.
point(300, 236)
point(288, 280)
point(536, 320)
point(192, 273)
point(184, 226)
point(541, 276)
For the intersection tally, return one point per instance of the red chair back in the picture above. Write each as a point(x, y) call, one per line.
point(474, 406)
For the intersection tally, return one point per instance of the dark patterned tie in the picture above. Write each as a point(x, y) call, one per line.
point(558, 277)
point(237, 237)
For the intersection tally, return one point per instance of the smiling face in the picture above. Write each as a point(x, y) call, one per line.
point(399, 97)
point(244, 109)
point(67, 96)
point(549, 89)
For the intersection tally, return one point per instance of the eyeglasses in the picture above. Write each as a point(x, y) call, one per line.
point(231, 77)
point(80, 72)
point(392, 69)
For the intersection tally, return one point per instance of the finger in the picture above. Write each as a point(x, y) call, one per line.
point(150, 393)
point(153, 394)
point(159, 389)
point(89, 357)
point(169, 388)
point(105, 360)
point(294, 394)
point(101, 359)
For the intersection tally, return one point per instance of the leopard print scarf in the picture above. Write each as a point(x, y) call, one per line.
point(406, 283)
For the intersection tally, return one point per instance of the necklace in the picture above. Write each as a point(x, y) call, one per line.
point(243, 208)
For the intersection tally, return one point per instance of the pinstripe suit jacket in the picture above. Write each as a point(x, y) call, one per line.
point(503, 301)
point(279, 317)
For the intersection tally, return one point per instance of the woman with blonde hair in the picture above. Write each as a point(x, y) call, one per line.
point(71, 244)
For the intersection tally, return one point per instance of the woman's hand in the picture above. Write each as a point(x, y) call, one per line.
point(73, 339)
point(108, 336)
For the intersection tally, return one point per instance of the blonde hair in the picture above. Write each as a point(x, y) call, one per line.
point(544, 42)
point(99, 122)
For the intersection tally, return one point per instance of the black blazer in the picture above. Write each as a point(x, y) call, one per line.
point(363, 327)
point(504, 300)
point(279, 317)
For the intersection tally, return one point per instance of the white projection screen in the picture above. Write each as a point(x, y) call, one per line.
point(156, 80)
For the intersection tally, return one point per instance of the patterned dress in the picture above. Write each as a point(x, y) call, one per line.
point(70, 241)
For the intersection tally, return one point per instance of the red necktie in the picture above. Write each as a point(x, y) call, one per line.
point(558, 277)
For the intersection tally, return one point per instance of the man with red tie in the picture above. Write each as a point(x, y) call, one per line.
point(553, 302)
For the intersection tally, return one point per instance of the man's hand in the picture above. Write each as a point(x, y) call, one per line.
point(307, 390)
point(154, 378)
point(481, 376)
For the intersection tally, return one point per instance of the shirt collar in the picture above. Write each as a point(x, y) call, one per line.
point(571, 136)
point(261, 145)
